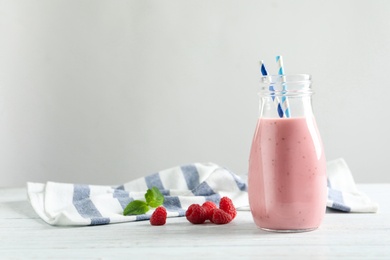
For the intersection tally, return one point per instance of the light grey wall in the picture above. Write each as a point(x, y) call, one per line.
point(103, 92)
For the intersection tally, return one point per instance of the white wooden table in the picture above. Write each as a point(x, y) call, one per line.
point(24, 235)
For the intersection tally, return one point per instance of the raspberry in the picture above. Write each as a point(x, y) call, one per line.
point(159, 216)
point(226, 205)
point(220, 217)
point(196, 214)
point(208, 207)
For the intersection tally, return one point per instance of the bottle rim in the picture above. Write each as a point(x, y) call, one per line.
point(286, 85)
point(288, 78)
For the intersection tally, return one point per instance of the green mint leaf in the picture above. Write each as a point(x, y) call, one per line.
point(136, 207)
point(154, 198)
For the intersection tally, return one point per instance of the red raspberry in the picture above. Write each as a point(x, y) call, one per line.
point(196, 214)
point(226, 205)
point(208, 207)
point(159, 216)
point(220, 217)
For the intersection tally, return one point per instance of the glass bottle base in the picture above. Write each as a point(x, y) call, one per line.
point(288, 230)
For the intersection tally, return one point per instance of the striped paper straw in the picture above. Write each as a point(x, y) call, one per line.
point(285, 105)
point(272, 89)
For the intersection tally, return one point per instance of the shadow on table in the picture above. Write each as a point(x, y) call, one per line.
point(335, 211)
point(18, 209)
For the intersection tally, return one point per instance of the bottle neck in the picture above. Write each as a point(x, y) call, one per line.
point(285, 96)
point(285, 106)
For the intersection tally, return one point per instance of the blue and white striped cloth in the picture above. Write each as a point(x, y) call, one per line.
point(342, 192)
point(66, 204)
point(76, 204)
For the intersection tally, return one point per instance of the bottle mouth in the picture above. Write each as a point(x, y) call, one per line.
point(286, 85)
point(293, 78)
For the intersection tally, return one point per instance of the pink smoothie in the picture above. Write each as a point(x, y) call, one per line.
point(287, 174)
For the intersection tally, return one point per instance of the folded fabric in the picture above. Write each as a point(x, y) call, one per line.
point(66, 204)
point(342, 192)
point(77, 204)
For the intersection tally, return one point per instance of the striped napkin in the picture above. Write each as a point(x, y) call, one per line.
point(77, 204)
point(66, 204)
point(342, 192)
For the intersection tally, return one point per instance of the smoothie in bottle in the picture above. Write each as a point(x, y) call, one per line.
point(287, 167)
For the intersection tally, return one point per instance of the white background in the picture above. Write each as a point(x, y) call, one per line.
point(103, 92)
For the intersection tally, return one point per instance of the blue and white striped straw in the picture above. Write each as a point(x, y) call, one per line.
point(272, 89)
point(285, 104)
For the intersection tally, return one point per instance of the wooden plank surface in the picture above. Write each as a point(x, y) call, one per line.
point(24, 235)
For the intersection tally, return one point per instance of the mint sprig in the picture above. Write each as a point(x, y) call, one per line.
point(136, 207)
point(153, 198)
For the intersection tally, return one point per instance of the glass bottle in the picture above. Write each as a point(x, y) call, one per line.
point(287, 167)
